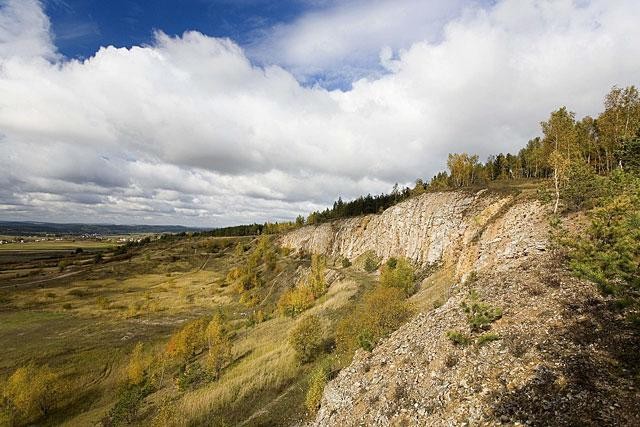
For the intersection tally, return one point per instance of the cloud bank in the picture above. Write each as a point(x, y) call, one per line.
point(189, 130)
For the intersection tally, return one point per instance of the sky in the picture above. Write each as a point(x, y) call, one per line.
point(218, 112)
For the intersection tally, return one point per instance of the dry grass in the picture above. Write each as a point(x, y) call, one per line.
point(113, 305)
point(266, 365)
point(434, 289)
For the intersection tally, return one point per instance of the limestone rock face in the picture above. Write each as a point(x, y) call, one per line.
point(470, 231)
point(549, 359)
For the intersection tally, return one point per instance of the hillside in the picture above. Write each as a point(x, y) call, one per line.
point(548, 358)
point(122, 336)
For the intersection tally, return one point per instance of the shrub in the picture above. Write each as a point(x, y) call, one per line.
point(392, 262)
point(190, 376)
point(381, 312)
point(316, 279)
point(188, 341)
point(219, 346)
point(307, 339)
point(487, 338)
point(607, 252)
point(295, 301)
point(458, 338)
point(480, 315)
point(126, 407)
point(346, 263)
point(33, 390)
point(243, 278)
point(138, 365)
point(370, 265)
point(398, 275)
point(583, 187)
point(316, 387)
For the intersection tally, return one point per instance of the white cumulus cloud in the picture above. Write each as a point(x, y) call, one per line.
point(190, 130)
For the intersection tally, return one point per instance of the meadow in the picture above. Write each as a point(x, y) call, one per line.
point(81, 313)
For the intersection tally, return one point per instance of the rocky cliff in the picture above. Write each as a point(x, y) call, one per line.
point(559, 355)
point(550, 358)
point(467, 231)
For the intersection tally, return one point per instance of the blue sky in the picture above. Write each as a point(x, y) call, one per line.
point(82, 26)
point(267, 110)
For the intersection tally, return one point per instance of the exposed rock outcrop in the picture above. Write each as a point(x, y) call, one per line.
point(554, 361)
point(550, 361)
point(469, 231)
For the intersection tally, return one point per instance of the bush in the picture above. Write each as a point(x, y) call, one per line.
point(392, 262)
point(316, 279)
point(458, 338)
point(607, 252)
point(316, 387)
point(126, 407)
point(138, 365)
point(219, 346)
point(370, 265)
point(33, 390)
point(188, 341)
point(346, 263)
point(307, 339)
point(487, 338)
point(583, 187)
point(399, 274)
point(295, 301)
point(381, 312)
point(480, 315)
point(191, 376)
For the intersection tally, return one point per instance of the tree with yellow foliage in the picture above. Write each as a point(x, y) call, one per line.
point(188, 341)
point(138, 365)
point(219, 345)
point(33, 390)
point(316, 279)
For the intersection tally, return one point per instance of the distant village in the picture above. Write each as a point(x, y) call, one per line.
point(57, 238)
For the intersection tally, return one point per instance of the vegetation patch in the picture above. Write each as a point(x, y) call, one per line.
point(459, 338)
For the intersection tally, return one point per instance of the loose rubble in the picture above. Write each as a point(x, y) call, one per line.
point(554, 364)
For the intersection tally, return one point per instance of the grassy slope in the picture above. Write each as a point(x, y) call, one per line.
point(85, 325)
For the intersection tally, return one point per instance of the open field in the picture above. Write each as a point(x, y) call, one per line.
point(52, 245)
point(83, 320)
